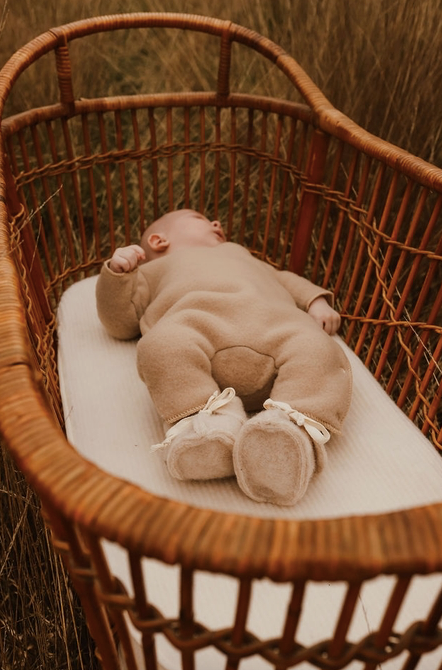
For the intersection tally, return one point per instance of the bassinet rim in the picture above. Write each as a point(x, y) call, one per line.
point(402, 543)
point(326, 117)
point(354, 548)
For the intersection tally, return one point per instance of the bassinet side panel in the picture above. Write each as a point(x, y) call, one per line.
point(372, 232)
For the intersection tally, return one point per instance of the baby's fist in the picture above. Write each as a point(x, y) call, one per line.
point(324, 315)
point(126, 259)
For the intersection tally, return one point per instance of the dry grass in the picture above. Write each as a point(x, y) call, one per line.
point(41, 623)
point(373, 59)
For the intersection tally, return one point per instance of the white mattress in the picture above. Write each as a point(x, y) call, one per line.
point(380, 463)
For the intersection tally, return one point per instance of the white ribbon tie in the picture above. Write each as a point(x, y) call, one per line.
point(214, 403)
point(316, 430)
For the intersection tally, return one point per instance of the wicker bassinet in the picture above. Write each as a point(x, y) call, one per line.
point(304, 188)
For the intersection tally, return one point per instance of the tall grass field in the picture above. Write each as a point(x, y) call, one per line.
point(378, 61)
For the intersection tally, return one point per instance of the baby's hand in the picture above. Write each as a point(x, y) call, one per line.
point(324, 315)
point(126, 259)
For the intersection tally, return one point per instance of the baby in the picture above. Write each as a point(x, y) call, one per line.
point(222, 334)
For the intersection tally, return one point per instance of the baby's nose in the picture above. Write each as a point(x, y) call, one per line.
point(218, 230)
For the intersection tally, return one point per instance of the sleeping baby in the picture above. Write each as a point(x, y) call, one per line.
point(237, 356)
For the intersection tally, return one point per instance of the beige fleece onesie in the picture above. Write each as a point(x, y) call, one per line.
point(215, 317)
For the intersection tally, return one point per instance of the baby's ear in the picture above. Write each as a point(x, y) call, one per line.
point(158, 242)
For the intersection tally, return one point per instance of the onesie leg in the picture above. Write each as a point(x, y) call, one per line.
point(314, 377)
point(200, 446)
point(279, 450)
point(174, 362)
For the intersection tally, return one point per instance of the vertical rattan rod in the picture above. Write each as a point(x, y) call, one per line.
point(433, 367)
point(141, 195)
point(361, 257)
point(122, 171)
point(223, 85)
point(388, 306)
point(343, 212)
point(283, 195)
point(39, 316)
point(405, 346)
point(273, 178)
point(294, 192)
point(49, 194)
point(373, 263)
point(293, 616)
point(427, 284)
point(232, 185)
point(153, 146)
point(429, 627)
point(385, 284)
point(422, 350)
point(186, 158)
point(353, 220)
point(143, 609)
point(76, 189)
point(432, 420)
point(64, 220)
point(169, 131)
point(391, 612)
point(438, 438)
point(261, 181)
point(309, 202)
point(90, 174)
point(246, 181)
point(218, 113)
point(422, 247)
point(202, 120)
point(239, 628)
point(64, 74)
point(337, 644)
point(430, 425)
point(319, 251)
point(36, 211)
point(28, 248)
point(109, 592)
point(109, 199)
point(420, 380)
point(186, 616)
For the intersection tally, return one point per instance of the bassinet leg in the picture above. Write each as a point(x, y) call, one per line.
point(391, 612)
point(78, 563)
point(429, 628)
point(292, 618)
point(186, 616)
point(242, 608)
point(144, 611)
point(337, 645)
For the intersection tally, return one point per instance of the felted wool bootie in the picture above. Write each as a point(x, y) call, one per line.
point(277, 452)
point(200, 446)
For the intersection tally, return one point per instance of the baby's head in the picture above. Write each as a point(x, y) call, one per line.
point(179, 229)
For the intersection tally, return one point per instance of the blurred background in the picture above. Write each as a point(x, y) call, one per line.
point(378, 61)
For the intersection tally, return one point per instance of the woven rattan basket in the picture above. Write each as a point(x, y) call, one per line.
point(302, 187)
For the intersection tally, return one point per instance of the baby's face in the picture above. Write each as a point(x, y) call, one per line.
point(191, 229)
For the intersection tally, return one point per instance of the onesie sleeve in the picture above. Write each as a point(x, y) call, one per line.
point(302, 290)
point(121, 301)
